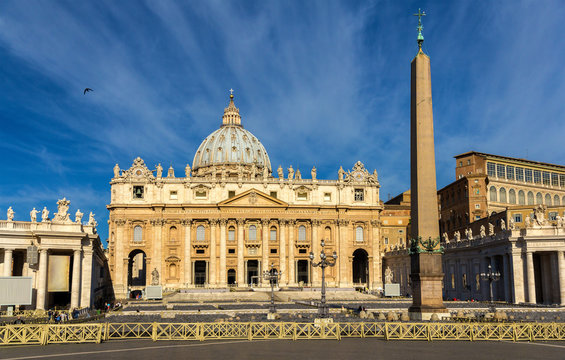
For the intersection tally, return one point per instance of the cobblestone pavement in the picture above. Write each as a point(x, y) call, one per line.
point(285, 349)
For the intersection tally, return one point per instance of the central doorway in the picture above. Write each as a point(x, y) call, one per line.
point(302, 273)
point(253, 272)
point(136, 268)
point(200, 270)
point(360, 267)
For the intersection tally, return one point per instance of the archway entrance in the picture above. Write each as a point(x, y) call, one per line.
point(360, 267)
point(302, 273)
point(253, 272)
point(231, 277)
point(200, 270)
point(137, 270)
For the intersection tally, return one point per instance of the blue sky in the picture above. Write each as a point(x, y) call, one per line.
point(322, 83)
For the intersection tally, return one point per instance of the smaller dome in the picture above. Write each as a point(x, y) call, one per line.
point(231, 151)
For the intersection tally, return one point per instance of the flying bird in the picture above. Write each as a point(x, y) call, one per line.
point(87, 90)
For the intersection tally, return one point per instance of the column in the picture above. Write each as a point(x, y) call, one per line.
point(375, 268)
point(291, 262)
point(187, 252)
point(157, 251)
point(282, 252)
point(240, 270)
point(42, 279)
point(223, 275)
point(561, 269)
point(316, 274)
point(75, 286)
point(506, 278)
point(265, 247)
point(517, 278)
point(119, 274)
point(531, 279)
point(87, 275)
point(343, 258)
point(8, 262)
point(212, 268)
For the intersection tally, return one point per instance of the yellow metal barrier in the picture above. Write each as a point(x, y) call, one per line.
point(97, 332)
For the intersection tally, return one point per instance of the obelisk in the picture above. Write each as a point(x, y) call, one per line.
point(425, 252)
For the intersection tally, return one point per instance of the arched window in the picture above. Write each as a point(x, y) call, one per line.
point(200, 233)
point(273, 233)
point(302, 233)
point(328, 233)
point(137, 234)
point(231, 233)
point(521, 197)
point(539, 198)
point(548, 199)
point(512, 196)
point(252, 232)
point(502, 195)
point(173, 234)
point(492, 193)
point(530, 198)
point(556, 200)
point(359, 234)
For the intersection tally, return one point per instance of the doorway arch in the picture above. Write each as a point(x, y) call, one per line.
point(137, 270)
point(360, 267)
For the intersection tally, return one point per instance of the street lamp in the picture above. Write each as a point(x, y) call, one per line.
point(324, 262)
point(271, 275)
point(490, 276)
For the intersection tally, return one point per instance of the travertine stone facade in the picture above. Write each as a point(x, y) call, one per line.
point(227, 219)
point(60, 236)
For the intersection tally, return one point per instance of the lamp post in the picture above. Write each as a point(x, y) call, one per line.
point(490, 276)
point(271, 275)
point(324, 262)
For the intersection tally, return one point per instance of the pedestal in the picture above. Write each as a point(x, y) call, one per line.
point(427, 277)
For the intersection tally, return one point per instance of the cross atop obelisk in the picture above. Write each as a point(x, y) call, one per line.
point(419, 14)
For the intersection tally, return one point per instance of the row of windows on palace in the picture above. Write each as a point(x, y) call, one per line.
point(251, 233)
point(516, 173)
point(509, 197)
point(201, 194)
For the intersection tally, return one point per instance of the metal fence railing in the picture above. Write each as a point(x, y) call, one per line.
point(43, 334)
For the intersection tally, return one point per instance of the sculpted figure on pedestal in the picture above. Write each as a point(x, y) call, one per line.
point(62, 211)
point(91, 220)
point(491, 229)
point(33, 215)
point(483, 231)
point(539, 215)
point(116, 171)
point(44, 214)
point(187, 171)
point(159, 171)
point(10, 214)
point(340, 173)
point(388, 275)
point(313, 173)
point(298, 175)
point(265, 172)
point(502, 224)
point(511, 224)
point(78, 216)
point(528, 221)
point(290, 173)
point(280, 172)
point(155, 277)
point(253, 171)
point(445, 238)
point(457, 236)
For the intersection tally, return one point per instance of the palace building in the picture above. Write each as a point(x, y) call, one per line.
point(228, 219)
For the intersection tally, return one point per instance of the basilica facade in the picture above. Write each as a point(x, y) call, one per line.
point(228, 219)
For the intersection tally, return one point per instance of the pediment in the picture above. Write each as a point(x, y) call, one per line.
point(253, 197)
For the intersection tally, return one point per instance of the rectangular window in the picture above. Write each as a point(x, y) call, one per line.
point(273, 235)
point(401, 231)
point(546, 178)
point(231, 193)
point(327, 197)
point(529, 177)
point(554, 179)
point(460, 163)
point(553, 215)
point(173, 195)
point(200, 194)
point(510, 172)
point(359, 195)
point(200, 251)
point(477, 217)
point(562, 180)
point(302, 251)
point(138, 192)
point(519, 174)
point(537, 177)
point(500, 173)
point(302, 196)
point(518, 218)
point(490, 169)
point(231, 251)
point(477, 206)
point(274, 194)
point(273, 251)
point(386, 240)
point(231, 234)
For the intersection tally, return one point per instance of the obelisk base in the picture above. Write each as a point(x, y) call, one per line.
point(427, 277)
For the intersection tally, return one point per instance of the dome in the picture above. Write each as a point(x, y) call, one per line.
point(231, 150)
